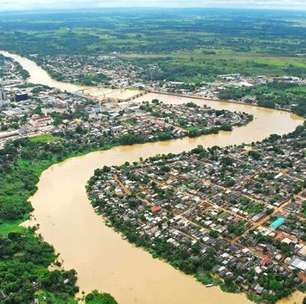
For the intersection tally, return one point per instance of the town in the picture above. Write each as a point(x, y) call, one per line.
point(112, 71)
point(153, 154)
point(29, 110)
point(232, 216)
point(241, 209)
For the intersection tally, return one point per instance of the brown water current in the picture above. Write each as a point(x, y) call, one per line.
point(102, 259)
point(40, 76)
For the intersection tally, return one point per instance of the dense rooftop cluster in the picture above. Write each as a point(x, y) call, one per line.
point(108, 70)
point(28, 110)
point(10, 72)
point(232, 215)
point(285, 92)
point(141, 122)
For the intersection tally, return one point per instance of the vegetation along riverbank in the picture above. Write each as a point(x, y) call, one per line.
point(229, 216)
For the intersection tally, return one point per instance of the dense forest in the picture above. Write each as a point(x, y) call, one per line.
point(155, 30)
point(24, 257)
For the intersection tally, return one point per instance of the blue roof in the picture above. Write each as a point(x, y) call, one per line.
point(277, 223)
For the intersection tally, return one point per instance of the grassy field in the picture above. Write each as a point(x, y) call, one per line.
point(189, 45)
point(44, 138)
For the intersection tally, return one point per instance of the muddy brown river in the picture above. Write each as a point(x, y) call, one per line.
point(102, 259)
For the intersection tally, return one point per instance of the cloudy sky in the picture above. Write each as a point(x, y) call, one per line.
point(63, 4)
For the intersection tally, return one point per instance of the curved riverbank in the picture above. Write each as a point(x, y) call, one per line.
point(101, 258)
point(39, 76)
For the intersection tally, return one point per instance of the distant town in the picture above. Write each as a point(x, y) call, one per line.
point(113, 72)
point(29, 110)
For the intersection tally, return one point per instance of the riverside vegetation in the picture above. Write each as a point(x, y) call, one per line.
point(151, 45)
point(206, 48)
point(213, 213)
point(25, 257)
point(271, 94)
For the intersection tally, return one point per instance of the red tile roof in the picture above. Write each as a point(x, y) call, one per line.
point(155, 209)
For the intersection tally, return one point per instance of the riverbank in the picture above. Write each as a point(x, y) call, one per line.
point(164, 205)
point(216, 100)
point(37, 75)
point(102, 259)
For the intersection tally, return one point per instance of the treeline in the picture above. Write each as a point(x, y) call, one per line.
point(154, 31)
point(203, 67)
point(24, 257)
point(271, 95)
point(99, 298)
point(188, 257)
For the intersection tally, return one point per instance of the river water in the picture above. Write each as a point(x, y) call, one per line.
point(102, 259)
point(40, 76)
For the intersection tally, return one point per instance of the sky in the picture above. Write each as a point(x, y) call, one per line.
point(75, 4)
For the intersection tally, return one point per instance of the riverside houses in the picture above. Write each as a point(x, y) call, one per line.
point(44, 110)
point(240, 210)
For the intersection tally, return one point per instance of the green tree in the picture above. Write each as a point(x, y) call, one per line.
point(99, 298)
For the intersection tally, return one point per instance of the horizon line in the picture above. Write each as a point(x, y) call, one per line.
point(59, 9)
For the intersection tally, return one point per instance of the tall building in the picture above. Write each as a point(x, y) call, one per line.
point(3, 96)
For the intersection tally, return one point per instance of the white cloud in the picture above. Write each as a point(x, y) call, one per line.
point(53, 4)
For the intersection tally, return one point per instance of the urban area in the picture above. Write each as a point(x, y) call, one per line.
point(233, 216)
point(29, 110)
point(114, 72)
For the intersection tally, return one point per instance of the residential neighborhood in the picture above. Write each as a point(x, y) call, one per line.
point(153, 152)
point(29, 110)
point(244, 203)
point(112, 71)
